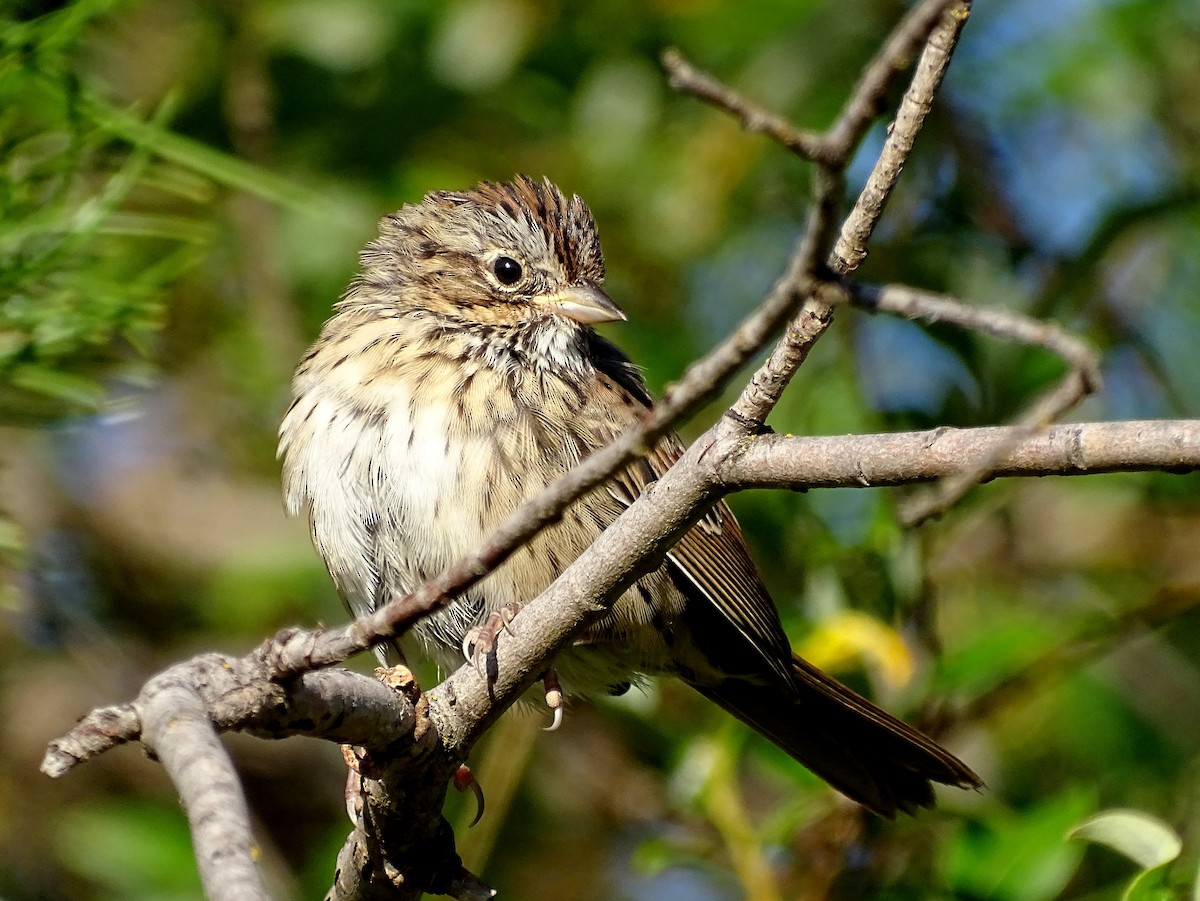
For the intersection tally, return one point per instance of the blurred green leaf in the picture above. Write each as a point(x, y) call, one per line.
point(220, 167)
point(1144, 839)
point(655, 854)
point(990, 655)
point(136, 850)
point(57, 385)
point(1017, 855)
point(1148, 886)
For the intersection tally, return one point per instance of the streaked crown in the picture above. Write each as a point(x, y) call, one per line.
point(488, 252)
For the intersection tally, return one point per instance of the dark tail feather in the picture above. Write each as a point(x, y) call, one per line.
point(866, 754)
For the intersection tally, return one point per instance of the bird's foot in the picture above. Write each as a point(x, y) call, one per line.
point(479, 643)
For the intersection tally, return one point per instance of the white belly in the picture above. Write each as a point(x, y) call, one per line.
point(397, 494)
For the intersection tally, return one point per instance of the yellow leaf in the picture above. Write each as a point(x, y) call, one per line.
point(851, 637)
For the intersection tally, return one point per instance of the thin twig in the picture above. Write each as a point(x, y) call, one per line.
point(767, 384)
point(101, 730)
point(834, 147)
point(877, 79)
point(687, 79)
point(337, 705)
point(1074, 387)
point(1082, 379)
point(1008, 325)
point(851, 248)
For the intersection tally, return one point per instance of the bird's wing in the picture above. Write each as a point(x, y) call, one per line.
point(713, 559)
point(712, 556)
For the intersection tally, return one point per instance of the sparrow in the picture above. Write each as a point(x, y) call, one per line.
point(458, 376)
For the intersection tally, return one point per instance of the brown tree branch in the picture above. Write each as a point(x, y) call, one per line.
point(834, 147)
point(851, 248)
point(186, 705)
point(101, 730)
point(685, 78)
point(766, 386)
point(905, 42)
point(337, 705)
point(176, 728)
point(907, 458)
point(725, 460)
point(464, 705)
point(353, 878)
point(1007, 325)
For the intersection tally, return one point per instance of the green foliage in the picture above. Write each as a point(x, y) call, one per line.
point(67, 264)
point(1146, 840)
point(1017, 855)
point(132, 851)
point(101, 212)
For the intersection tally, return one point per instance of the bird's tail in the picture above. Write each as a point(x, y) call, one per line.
point(862, 751)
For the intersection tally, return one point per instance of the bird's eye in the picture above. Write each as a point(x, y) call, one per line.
point(507, 270)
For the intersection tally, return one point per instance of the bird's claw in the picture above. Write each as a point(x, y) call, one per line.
point(354, 780)
point(464, 780)
point(480, 642)
point(554, 699)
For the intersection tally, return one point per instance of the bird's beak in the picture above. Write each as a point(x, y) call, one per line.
point(584, 303)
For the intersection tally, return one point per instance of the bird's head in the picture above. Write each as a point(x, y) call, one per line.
point(498, 254)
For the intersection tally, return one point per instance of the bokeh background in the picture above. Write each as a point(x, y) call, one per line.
point(184, 186)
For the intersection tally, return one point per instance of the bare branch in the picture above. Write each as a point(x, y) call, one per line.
point(768, 383)
point(906, 458)
point(185, 706)
point(1070, 390)
point(353, 882)
point(866, 99)
point(336, 705)
point(101, 730)
point(1008, 325)
point(176, 728)
point(687, 79)
point(1082, 379)
point(851, 248)
point(352, 875)
point(834, 148)
point(464, 705)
